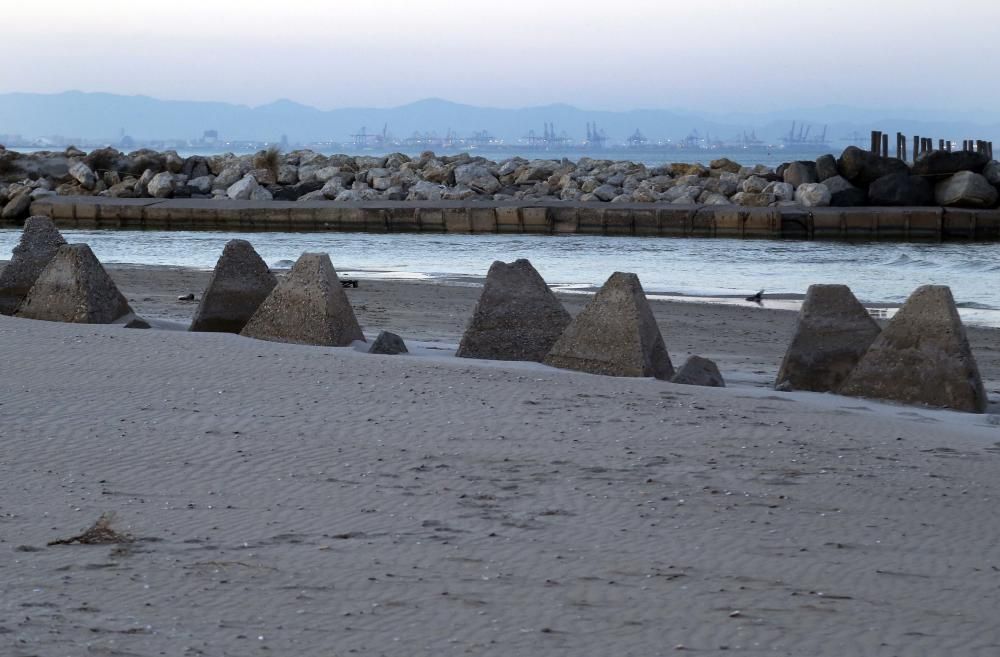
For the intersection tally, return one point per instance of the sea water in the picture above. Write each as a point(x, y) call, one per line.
point(879, 273)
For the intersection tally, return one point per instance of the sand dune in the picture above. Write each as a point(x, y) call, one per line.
point(292, 500)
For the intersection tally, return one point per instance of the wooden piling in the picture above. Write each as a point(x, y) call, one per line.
point(876, 141)
point(885, 145)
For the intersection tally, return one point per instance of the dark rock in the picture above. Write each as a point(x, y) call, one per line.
point(39, 243)
point(832, 333)
point(800, 173)
point(308, 307)
point(922, 357)
point(725, 164)
point(517, 316)
point(941, 164)
point(843, 194)
point(74, 287)
point(615, 334)
point(826, 167)
point(138, 323)
point(388, 344)
point(698, 371)
point(901, 189)
point(863, 167)
point(18, 206)
point(239, 284)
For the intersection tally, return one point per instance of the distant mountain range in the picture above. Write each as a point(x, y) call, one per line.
point(75, 114)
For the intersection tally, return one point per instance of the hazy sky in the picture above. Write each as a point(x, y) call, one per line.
point(720, 56)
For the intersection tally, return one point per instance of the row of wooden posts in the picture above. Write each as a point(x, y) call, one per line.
point(921, 145)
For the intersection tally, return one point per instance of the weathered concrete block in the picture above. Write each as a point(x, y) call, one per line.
point(457, 220)
point(703, 222)
point(74, 287)
point(482, 220)
point(676, 221)
point(517, 316)
point(618, 221)
point(565, 219)
point(924, 223)
point(590, 220)
point(239, 284)
point(431, 220)
point(40, 241)
point(615, 334)
point(832, 334)
point(308, 307)
point(333, 217)
point(988, 225)
point(508, 220)
point(536, 220)
point(891, 223)
point(795, 224)
point(403, 219)
point(860, 223)
point(645, 222)
point(376, 220)
point(827, 223)
point(729, 220)
point(922, 357)
point(763, 222)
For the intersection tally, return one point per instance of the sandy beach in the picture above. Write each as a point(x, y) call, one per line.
point(290, 500)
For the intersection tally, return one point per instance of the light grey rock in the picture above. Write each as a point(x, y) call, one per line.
point(922, 357)
point(332, 188)
point(142, 185)
point(83, 175)
point(477, 177)
point(782, 191)
point(713, 198)
point(242, 188)
point(615, 334)
point(698, 371)
point(229, 176)
point(318, 195)
point(761, 200)
point(259, 193)
point(754, 185)
point(812, 195)
point(238, 286)
point(388, 344)
point(201, 184)
point(38, 245)
point(966, 189)
point(161, 185)
point(308, 307)
point(288, 174)
point(832, 334)
point(74, 287)
point(517, 316)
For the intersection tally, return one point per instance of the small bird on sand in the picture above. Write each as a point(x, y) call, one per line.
point(757, 298)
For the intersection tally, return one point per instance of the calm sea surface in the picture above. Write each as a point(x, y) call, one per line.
point(879, 273)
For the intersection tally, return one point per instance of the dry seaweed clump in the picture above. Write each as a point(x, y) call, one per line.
point(100, 533)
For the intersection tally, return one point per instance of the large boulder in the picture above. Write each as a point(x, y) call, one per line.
point(941, 164)
point(863, 167)
point(812, 195)
point(161, 185)
point(239, 284)
point(477, 177)
point(74, 287)
point(922, 357)
point(517, 316)
point(83, 175)
point(39, 243)
point(698, 371)
point(243, 189)
point(843, 194)
point(826, 167)
point(901, 189)
point(800, 173)
point(992, 173)
point(966, 189)
point(308, 307)
point(17, 206)
point(832, 334)
point(615, 334)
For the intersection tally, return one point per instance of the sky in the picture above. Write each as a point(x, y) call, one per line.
point(720, 56)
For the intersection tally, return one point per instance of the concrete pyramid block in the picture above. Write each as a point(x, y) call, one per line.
point(308, 307)
point(833, 332)
point(74, 287)
point(698, 371)
point(39, 243)
point(239, 284)
point(615, 334)
point(517, 317)
point(922, 357)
